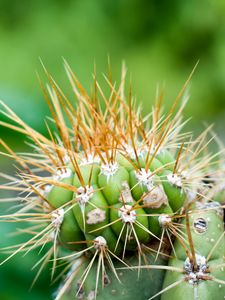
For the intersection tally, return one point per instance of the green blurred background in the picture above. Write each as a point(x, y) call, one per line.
point(160, 41)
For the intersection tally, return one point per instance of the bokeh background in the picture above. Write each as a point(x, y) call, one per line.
point(160, 41)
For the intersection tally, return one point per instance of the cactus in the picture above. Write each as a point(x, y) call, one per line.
point(202, 263)
point(131, 205)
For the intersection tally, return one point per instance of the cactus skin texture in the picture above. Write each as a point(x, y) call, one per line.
point(133, 285)
point(207, 238)
point(131, 205)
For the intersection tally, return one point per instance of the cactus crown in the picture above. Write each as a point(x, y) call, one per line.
point(109, 185)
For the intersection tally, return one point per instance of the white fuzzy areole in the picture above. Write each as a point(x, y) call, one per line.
point(84, 194)
point(99, 242)
point(44, 190)
point(95, 216)
point(127, 214)
point(131, 153)
point(57, 217)
point(47, 189)
point(89, 159)
point(164, 220)
point(41, 194)
point(62, 174)
point(194, 276)
point(145, 177)
point(109, 169)
point(175, 179)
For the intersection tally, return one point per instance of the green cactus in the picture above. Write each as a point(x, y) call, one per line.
point(203, 268)
point(123, 197)
point(131, 284)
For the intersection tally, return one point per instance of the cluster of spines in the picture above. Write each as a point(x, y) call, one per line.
point(115, 179)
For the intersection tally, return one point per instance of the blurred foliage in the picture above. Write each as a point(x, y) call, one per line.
point(160, 41)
